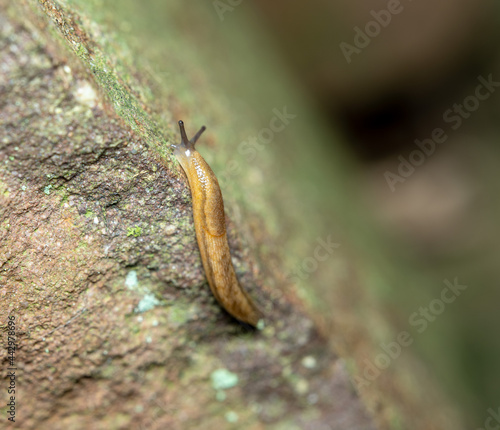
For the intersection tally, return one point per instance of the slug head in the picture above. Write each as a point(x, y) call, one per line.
point(184, 151)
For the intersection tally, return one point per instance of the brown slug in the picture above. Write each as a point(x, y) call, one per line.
point(210, 226)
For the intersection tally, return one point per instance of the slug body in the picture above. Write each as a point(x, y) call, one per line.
point(210, 226)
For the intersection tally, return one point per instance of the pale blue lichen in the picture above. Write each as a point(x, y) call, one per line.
point(220, 395)
point(309, 362)
point(231, 417)
point(131, 280)
point(222, 379)
point(148, 302)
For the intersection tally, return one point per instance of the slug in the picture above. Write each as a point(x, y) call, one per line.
point(210, 227)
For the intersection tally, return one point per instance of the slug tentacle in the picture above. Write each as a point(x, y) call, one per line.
point(210, 226)
point(197, 135)
point(185, 142)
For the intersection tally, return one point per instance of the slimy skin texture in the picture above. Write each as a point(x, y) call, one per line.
point(210, 226)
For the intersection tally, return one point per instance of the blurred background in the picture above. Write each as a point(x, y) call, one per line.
point(411, 90)
point(387, 85)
